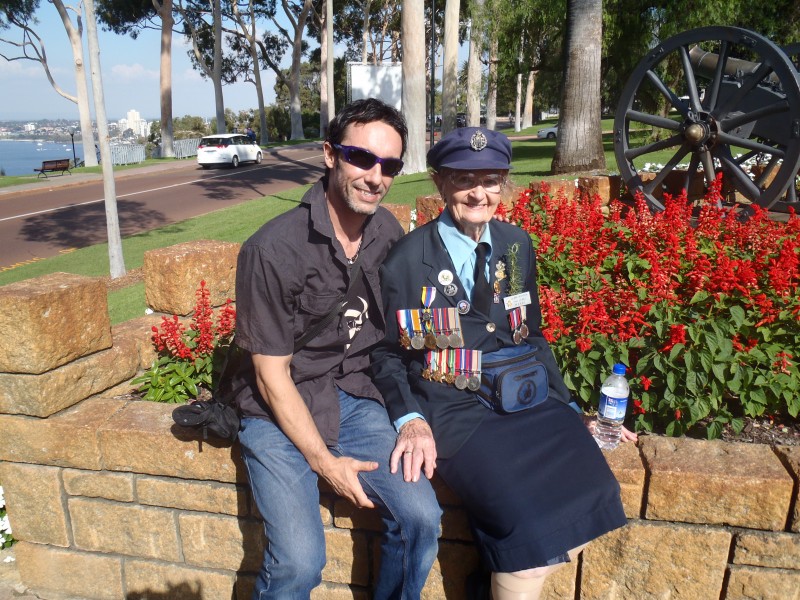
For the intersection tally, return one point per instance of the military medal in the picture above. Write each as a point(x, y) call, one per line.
point(445, 277)
point(417, 341)
point(403, 322)
point(523, 327)
point(440, 325)
point(460, 380)
point(515, 320)
point(474, 370)
point(454, 329)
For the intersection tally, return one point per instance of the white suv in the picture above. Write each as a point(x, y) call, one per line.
point(227, 149)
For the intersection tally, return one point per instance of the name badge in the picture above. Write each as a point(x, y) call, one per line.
point(517, 300)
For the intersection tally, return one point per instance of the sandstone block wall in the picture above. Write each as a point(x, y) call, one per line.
point(111, 500)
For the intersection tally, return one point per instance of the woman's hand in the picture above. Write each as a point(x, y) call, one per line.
point(625, 435)
point(416, 446)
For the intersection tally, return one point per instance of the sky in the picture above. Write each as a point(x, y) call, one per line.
point(130, 70)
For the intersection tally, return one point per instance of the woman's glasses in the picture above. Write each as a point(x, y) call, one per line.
point(464, 180)
point(364, 159)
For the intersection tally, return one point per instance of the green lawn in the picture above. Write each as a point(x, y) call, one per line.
point(531, 161)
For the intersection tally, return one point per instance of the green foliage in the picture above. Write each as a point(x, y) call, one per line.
point(706, 316)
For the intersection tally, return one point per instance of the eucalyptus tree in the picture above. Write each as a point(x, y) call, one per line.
point(202, 21)
point(413, 99)
point(475, 67)
point(579, 144)
point(452, 20)
point(131, 17)
point(18, 16)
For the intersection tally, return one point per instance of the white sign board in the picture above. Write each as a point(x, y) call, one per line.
point(384, 82)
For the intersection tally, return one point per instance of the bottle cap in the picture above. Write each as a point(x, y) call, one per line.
point(619, 369)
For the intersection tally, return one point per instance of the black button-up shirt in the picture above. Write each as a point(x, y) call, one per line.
point(289, 275)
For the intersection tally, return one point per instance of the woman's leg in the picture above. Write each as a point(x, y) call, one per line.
point(527, 584)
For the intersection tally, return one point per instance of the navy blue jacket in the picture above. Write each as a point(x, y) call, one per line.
point(416, 261)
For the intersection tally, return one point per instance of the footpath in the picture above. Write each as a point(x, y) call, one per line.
point(11, 588)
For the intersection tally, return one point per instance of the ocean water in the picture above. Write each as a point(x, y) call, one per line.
point(21, 158)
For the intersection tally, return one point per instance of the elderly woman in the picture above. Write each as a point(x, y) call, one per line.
point(463, 290)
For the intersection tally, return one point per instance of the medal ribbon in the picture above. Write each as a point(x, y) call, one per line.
point(416, 320)
point(428, 296)
point(515, 318)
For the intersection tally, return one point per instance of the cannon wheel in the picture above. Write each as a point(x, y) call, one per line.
point(707, 125)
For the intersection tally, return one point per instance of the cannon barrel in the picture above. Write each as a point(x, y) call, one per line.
point(705, 64)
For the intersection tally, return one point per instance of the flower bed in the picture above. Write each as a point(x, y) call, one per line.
point(701, 306)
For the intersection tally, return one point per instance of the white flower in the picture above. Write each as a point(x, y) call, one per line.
point(148, 311)
point(5, 525)
point(2, 497)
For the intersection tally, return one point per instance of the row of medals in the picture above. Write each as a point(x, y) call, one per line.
point(462, 381)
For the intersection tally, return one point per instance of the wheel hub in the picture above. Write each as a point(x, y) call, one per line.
point(700, 130)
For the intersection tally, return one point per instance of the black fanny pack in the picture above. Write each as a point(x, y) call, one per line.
point(512, 379)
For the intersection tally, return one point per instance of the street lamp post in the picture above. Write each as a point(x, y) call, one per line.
point(74, 157)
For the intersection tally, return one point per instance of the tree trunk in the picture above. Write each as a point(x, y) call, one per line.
point(491, 88)
point(326, 100)
point(412, 25)
point(167, 23)
point(217, 68)
point(295, 106)
point(81, 85)
point(579, 146)
point(367, 6)
point(115, 257)
point(518, 105)
point(474, 70)
point(527, 117)
point(450, 65)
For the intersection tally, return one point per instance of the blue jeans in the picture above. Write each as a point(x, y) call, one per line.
point(286, 493)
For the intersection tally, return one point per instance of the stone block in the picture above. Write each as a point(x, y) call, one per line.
point(33, 500)
point(746, 583)
point(221, 542)
point(143, 438)
point(112, 527)
point(596, 185)
point(626, 464)
point(46, 394)
point(52, 320)
point(347, 516)
point(145, 579)
point(561, 584)
point(172, 275)
point(140, 331)
point(91, 484)
point(429, 208)
point(645, 560)
point(453, 564)
point(556, 188)
point(715, 482)
point(790, 456)
point(348, 557)
point(68, 439)
point(401, 212)
point(212, 497)
point(766, 549)
point(67, 573)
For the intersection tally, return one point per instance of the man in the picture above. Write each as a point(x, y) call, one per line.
point(315, 412)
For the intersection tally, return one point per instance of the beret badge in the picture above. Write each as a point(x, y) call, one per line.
point(478, 141)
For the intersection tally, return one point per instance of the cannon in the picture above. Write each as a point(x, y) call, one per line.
point(713, 99)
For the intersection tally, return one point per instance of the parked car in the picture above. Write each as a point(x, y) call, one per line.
point(461, 119)
point(548, 132)
point(227, 149)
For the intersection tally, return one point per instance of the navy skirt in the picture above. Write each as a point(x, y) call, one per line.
point(535, 485)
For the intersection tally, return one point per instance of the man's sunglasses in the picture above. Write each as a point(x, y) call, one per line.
point(364, 159)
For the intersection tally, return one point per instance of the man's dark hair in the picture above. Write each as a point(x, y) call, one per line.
point(365, 111)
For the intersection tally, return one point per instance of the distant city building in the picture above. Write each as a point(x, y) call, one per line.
point(29, 127)
point(134, 122)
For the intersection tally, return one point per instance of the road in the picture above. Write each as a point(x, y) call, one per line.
point(50, 217)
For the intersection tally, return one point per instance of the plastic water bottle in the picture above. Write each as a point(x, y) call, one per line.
point(613, 404)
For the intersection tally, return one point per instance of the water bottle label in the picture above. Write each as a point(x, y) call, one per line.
point(612, 408)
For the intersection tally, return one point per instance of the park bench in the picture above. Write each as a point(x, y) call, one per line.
point(52, 166)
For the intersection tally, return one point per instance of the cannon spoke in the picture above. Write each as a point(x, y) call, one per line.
point(673, 162)
point(773, 162)
point(670, 142)
point(713, 93)
point(654, 120)
point(691, 83)
point(750, 144)
point(708, 166)
point(738, 120)
point(741, 179)
point(666, 92)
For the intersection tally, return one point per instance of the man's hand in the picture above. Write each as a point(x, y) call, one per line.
point(416, 446)
point(341, 472)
